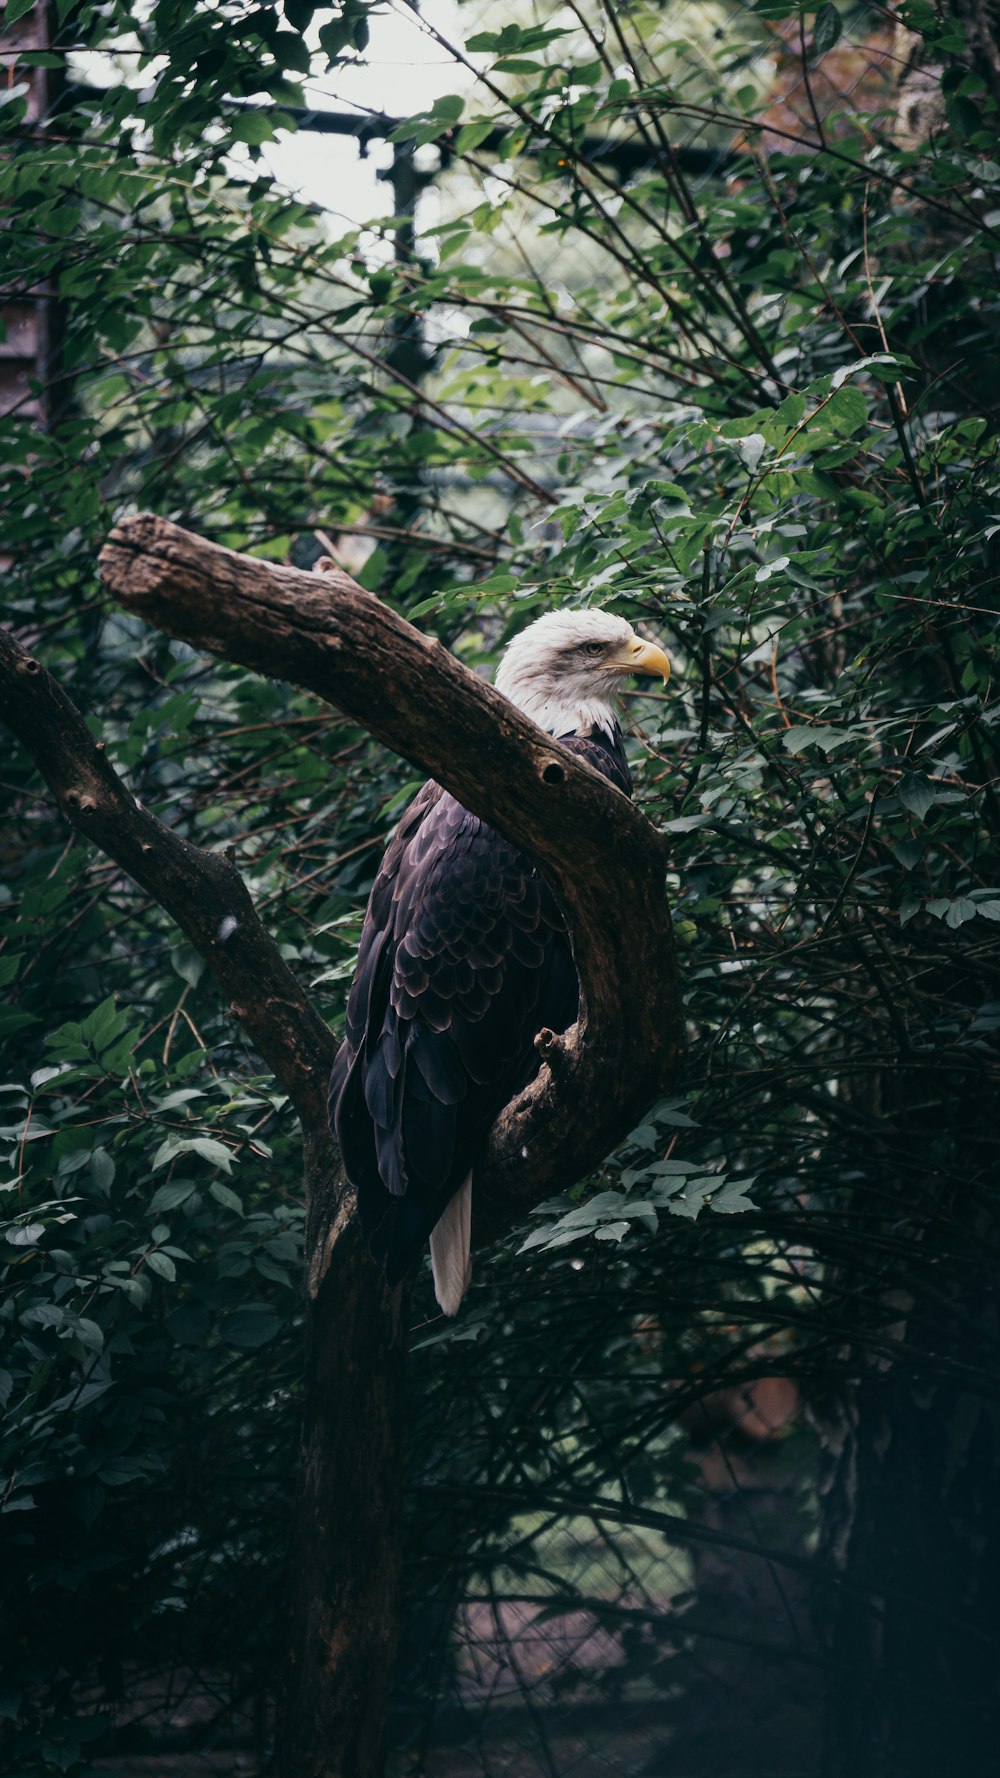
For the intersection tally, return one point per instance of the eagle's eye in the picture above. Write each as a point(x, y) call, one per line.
point(593, 649)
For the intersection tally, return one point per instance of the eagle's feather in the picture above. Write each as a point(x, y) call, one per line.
point(464, 958)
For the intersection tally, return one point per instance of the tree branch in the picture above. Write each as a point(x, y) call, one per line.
point(202, 891)
point(603, 859)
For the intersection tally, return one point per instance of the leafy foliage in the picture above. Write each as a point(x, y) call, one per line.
point(754, 407)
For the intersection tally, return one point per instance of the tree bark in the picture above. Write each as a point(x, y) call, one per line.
point(606, 864)
point(346, 1569)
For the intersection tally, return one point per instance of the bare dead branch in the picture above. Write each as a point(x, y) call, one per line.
point(203, 891)
point(603, 859)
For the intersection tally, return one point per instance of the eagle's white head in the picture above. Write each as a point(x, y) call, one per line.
point(565, 668)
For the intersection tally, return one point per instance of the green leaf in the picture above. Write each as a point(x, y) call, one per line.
point(251, 126)
point(612, 1231)
point(917, 795)
point(472, 135)
point(251, 1327)
point(223, 1195)
point(964, 116)
point(102, 1170)
point(87, 1332)
point(299, 13)
point(449, 106)
point(25, 1234)
point(171, 1195)
point(765, 572)
point(645, 1136)
point(751, 449)
point(670, 1112)
point(846, 411)
point(731, 1203)
point(162, 1265)
point(335, 36)
point(961, 910)
point(800, 736)
point(103, 1025)
point(909, 853)
point(182, 1096)
point(209, 1147)
point(953, 912)
point(516, 37)
point(214, 1151)
point(827, 29)
point(731, 1198)
point(188, 964)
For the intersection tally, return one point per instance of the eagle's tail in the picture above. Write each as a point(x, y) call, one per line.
point(451, 1240)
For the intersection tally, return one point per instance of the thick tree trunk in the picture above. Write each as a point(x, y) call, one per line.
point(346, 1560)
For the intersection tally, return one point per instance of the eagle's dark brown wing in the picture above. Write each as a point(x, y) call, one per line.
point(463, 959)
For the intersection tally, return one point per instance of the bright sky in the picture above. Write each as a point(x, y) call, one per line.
point(404, 70)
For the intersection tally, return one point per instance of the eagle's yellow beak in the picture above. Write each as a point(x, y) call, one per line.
point(641, 657)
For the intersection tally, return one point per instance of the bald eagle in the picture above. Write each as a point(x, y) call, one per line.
point(464, 958)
